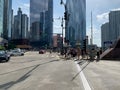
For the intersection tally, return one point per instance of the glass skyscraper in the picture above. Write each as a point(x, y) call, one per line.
point(7, 25)
point(1, 17)
point(41, 11)
point(20, 26)
point(76, 22)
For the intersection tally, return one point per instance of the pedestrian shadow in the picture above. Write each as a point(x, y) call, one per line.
point(8, 85)
point(88, 62)
point(29, 67)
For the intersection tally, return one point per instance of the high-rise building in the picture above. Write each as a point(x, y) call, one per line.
point(36, 30)
point(12, 28)
point(15, 33)
point(114, 23)
point(1, 17)
point(19, 17)
point(20, 26)
point(42, 11)
point(7, 19)
point(105, 36)
point(25, 26)
point(76, 21)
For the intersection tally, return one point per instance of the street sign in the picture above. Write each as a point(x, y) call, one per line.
point(107, 42)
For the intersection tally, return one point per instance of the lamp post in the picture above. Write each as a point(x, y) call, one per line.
point(62, 31)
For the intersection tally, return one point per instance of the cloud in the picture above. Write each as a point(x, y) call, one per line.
point(117, 9)
point(25, 6)
point(102, 18)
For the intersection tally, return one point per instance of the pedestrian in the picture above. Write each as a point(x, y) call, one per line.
point(98, 55)
point(82, 53)
point(78, 53)
point(73, 53)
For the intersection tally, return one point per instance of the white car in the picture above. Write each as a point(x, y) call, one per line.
point(17, 53)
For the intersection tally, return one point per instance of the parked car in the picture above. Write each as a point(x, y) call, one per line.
point(4, 56)
point(17, 53)
point(42, 51)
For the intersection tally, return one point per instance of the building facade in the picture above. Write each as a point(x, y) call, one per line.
point(76, 21)
point(44, 15)
point(25, 33)
point(1, 17)
point(105, 36)
point(57, 41)
point(7, 26)
point(36, 32)
point(114, 23)
point(20, 30)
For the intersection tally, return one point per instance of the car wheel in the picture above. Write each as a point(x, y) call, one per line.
point(7, 59)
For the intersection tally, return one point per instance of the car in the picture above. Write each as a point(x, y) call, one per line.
point(42, 51)
point(17, 53)
point(4, 56)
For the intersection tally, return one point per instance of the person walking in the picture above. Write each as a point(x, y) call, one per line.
point(78, 53)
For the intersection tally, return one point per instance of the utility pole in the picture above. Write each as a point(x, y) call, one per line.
point(62, 30)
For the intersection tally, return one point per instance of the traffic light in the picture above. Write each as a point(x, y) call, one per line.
point(65, 15)
point(84, 45)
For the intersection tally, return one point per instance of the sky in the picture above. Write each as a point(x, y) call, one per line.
point(99, 8)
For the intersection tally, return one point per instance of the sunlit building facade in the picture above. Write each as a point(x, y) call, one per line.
point(105, 39)
point(1, 17)
point(76, 21)
point(25, 33)
point(41, 11)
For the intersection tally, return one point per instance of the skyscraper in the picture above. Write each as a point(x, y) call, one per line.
point(25, 33)
point(1, 17)
point(76, 21)
point(20, 26)
point(41, 11)
point(7, 19)
point(114, 23)
point(105, 37)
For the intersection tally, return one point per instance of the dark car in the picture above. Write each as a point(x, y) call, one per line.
point(42, 51)
point(4, 56)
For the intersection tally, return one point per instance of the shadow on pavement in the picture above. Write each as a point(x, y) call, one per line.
point(88, 62)
point(24, 77)
point(28, 67)
point(8, 85)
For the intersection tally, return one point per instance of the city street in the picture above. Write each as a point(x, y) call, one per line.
point(38, 72)
point(50, 72)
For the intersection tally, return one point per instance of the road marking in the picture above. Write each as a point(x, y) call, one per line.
point(84, 80)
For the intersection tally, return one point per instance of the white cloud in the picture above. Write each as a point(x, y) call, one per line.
point(117, 9)
point(102, 18)
point(25, 6)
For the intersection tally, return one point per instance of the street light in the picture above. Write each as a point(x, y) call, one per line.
point(66, 17)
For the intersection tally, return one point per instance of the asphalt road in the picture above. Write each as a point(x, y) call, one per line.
point(103, 75)
point(39, 72)
point(50, 72)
